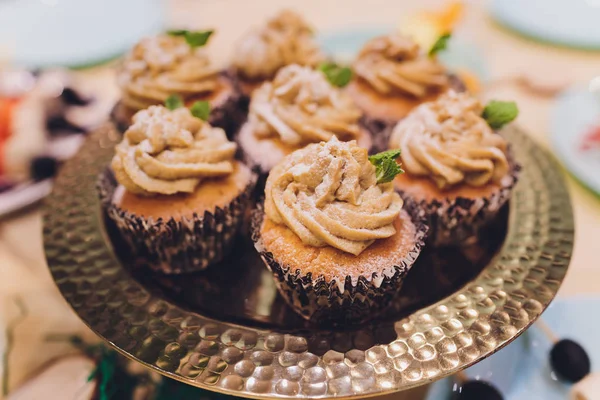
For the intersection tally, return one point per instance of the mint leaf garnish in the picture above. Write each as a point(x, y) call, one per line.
point(193, 38)
point(440, 44)
point(201, 109)
point(177, 32)
point(499, 113)
point(335, 74)
point(174, 102)
point(386, 167)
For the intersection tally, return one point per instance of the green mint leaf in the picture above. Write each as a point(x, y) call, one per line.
point(440, 44)
point(197, 38)
point(193, 38)
point(335, 74)
point(201, 109)
point(377, 158)
point(174, 102)
point(499, 113)
point(386, 167)
point(177, 32)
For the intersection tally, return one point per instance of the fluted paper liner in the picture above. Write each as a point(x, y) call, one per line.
point(177, 245)
point(342, 300)
point(453, 221)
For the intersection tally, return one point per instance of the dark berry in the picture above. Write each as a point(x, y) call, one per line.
point(73, 98)
point(569, 361)
point(477, 390)
point(43, 167)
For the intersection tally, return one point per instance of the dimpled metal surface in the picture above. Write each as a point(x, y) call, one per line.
point(435, 341)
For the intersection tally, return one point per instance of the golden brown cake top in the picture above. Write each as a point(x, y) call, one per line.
point(168, 152)
point(449, 142)
point(285, 39)
point(327, 194)
point(300, 106)
point(395, 64)
point(164, 65)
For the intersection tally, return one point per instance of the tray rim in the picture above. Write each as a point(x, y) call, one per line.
point(103, 140)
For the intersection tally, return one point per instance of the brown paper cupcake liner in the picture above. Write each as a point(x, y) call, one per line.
point(455, 221)
point(182, 245)
point(229, 116)
point(381, 129)
point(344, 300)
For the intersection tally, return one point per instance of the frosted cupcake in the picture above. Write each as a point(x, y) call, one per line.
point(284, 39)
point(299, 107)
point(393, 75)
point(176, 192)
point(334, 232)
point(175, 64)
point(458, 168)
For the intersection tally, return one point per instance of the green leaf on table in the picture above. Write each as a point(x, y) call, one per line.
point(201, 109)
point(440, 44)
point(174, 102)
point(386, 166)
point(336, 75)
point(499, 113)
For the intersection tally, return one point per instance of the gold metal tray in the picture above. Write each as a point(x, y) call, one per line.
point(227, 330)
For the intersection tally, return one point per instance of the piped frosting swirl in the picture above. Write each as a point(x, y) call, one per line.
point(327, 194)
point(300, 106)
point(168, 152)
point(394, 64)
point(165, 65)
point(285, 39)
point(449, 142)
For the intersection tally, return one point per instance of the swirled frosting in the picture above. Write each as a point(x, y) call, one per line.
point(327, 194)
point(164, 65)
point(300, 106)
point(449, 142)
point(167, 152)
point(285, 39)
point(394, 64)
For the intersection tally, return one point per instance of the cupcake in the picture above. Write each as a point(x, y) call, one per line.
point(459, 170)
point(285, 39)
point(299, 107)
point(175, 192)
point(176, 64)
point(393, 76)
point(334, 232)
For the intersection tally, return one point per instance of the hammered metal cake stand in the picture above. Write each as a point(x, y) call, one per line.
point(228, 331)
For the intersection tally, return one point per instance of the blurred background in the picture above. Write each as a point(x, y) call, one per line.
point(57, 83)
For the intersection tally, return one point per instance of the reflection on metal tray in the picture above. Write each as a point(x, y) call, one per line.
point(227, 330)
point(246, 293)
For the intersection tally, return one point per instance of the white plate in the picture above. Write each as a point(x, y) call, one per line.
point(576, 111)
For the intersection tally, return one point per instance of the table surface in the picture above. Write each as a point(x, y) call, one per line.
point(24, 273)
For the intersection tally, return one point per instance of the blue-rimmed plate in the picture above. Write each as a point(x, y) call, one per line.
point(73, 33)
point(527, 357)
point(566, 23)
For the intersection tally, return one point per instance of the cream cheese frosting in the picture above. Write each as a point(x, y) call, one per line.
point(449, 142)
point(328, 195)
point(168, 152)
point(285, 39)
point(300, 106)
point(394, 64)
point(165, 65)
